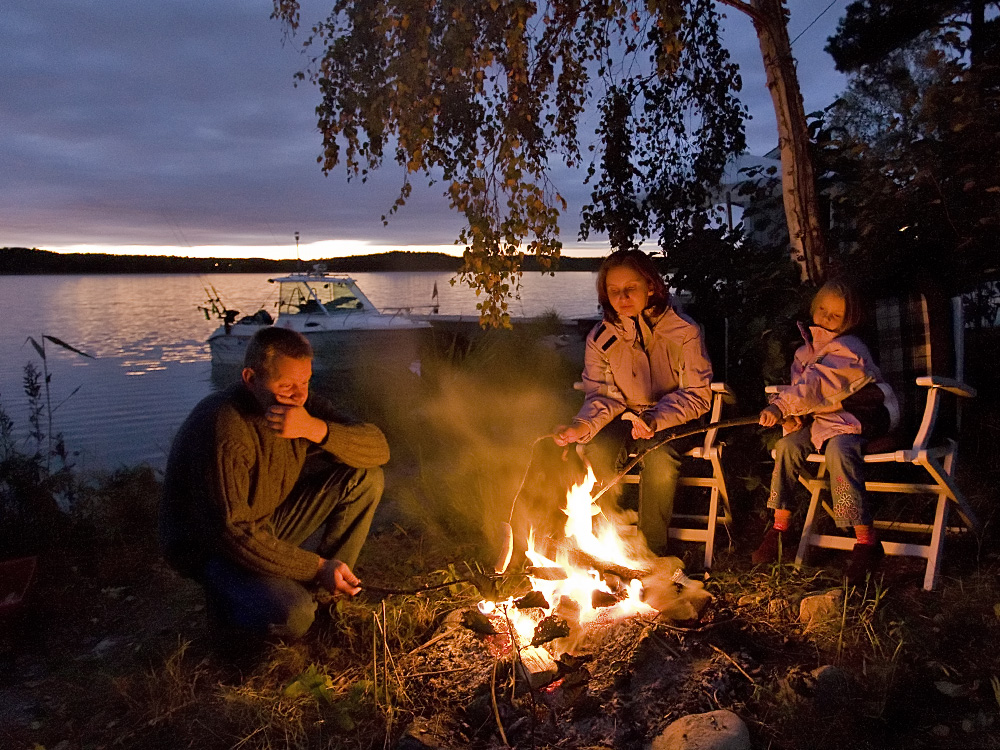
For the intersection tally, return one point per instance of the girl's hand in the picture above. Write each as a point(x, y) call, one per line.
point(792, 424)
point(574, 433)
point(770, 417)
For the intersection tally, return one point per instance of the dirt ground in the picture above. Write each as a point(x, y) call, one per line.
point(113, 651)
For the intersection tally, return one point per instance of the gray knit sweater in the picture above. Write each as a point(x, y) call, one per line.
point(228, 472)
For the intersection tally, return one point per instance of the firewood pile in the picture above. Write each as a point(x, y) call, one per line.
point(622, 683)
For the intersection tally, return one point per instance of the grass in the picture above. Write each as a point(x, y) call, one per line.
point(114, 651)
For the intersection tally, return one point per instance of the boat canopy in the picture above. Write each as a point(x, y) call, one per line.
point(320, 294)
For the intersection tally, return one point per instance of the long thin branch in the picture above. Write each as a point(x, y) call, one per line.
point(744, 7)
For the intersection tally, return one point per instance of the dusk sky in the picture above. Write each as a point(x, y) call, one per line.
point(175, 128)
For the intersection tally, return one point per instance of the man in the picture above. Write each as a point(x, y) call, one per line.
point(253, 472)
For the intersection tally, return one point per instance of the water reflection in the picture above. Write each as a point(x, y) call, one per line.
point(152, 363)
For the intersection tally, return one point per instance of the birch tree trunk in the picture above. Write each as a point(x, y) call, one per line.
point(798, 180)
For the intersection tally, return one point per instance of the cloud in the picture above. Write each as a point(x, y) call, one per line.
point(179, 124)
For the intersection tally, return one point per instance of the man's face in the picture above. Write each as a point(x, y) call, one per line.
point(286, 382)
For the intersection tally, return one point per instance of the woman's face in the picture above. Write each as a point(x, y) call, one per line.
point(829, 311)
point(627, 291)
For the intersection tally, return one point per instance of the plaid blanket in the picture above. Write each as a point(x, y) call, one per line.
point(913, 338)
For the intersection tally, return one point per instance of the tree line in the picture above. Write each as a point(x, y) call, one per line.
point(22, 260)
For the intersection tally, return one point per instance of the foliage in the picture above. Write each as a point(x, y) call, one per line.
point(910, 152)
point(37, 482)
point(872, 29)
point(486, 96)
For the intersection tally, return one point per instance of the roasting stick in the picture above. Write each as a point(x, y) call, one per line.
point(737, 422)
point(508, 532)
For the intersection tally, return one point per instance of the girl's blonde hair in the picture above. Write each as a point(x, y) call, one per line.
point(852, 303)
point(642, 264)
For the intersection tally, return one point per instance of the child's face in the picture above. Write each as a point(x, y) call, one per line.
point(627, 291)
point(829, 310)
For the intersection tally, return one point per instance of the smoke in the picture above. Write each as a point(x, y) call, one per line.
point(480, 430)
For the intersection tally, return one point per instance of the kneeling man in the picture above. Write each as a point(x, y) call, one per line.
point(254, 471)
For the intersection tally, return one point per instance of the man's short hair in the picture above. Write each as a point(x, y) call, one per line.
point(268, 343)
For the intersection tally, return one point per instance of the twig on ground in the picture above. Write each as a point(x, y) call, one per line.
point(496, 709)
point(734, 663)
point(659, 641)
point(435, 639)
point(439, 671)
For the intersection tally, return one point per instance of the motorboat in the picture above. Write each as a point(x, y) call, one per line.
point(346, 330)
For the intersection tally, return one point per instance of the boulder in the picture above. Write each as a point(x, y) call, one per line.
point(715, 730)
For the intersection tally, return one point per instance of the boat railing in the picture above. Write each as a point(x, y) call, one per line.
point(409, 309)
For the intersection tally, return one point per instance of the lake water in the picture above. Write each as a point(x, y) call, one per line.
point(151, 363)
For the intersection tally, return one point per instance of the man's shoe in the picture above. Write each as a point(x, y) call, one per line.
point(864, 561)
point(767, 552)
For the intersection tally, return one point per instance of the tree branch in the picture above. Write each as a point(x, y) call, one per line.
point(744, 7)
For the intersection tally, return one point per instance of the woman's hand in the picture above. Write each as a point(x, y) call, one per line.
point(640, 430)
point(574, 433)
point(770, 416)
point(792, 424)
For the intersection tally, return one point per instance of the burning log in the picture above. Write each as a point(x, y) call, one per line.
point(548, 629)
point(581, 559)
point(600, 598)
point(537, 666)
point(477, 622)
point(550, 573)
point(532, 600)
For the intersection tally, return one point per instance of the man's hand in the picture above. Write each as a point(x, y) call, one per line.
point(770, 416)
point(295, 422)
point(335, 576)
point(574, 433)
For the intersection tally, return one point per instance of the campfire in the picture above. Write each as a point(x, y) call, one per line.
point(599, 573)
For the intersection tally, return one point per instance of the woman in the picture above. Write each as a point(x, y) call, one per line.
point(646, 363)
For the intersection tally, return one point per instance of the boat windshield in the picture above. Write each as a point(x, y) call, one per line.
point(316, 296)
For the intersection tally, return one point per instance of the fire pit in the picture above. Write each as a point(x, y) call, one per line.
point(601, 573)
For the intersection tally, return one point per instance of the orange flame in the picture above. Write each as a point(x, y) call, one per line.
point(602, 538)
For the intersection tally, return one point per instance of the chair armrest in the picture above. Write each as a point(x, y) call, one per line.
point(948, 384)
point(727, 393)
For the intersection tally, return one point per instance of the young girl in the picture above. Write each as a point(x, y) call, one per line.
point(646, 363)
point(819, 408)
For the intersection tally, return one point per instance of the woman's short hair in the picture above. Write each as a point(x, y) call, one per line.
point(853, 314)
point(269, 343)
point(642, 264)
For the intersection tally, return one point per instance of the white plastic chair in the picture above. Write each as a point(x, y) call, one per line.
point(701, 527)
point(913, 347)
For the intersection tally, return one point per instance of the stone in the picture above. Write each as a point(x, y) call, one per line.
point(778, 609)
point(715, 730)
point(420, 735)
point(820, 609)
point(831, 688)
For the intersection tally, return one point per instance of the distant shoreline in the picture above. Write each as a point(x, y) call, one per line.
point(22, 261)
